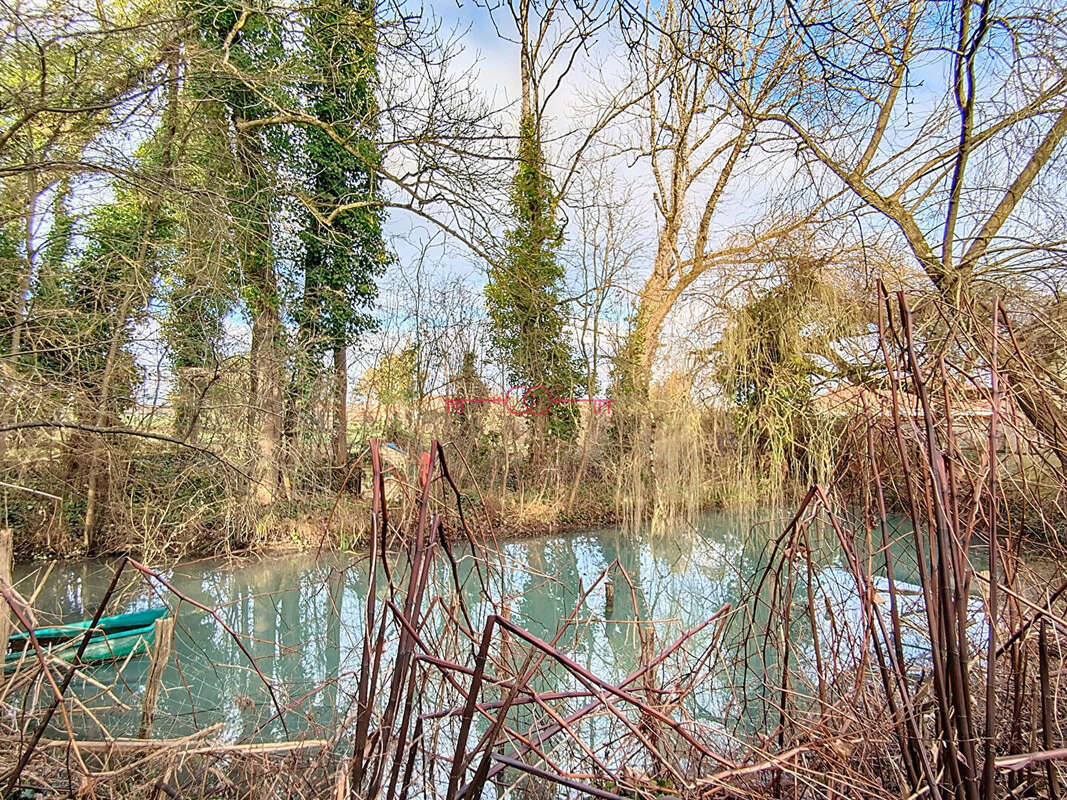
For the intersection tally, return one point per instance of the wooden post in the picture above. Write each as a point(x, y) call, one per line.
point(160, 656)
point(5, 580)
point(505, 648)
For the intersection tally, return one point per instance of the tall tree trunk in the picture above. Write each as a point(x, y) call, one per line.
point(529, 104)
point(632, 416)
point(265, 357)
point(339, 445)
point(266, 399)
point(654, 303)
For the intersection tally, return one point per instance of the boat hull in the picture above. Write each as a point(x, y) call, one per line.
point(113, 638)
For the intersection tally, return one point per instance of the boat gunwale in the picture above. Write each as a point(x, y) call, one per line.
point(116, 625)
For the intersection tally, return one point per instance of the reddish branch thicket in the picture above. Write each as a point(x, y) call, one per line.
point(449, 699)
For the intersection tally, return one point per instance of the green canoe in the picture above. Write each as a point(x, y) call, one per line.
point(113, 637)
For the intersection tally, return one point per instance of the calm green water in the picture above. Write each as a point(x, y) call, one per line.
point(301, 620)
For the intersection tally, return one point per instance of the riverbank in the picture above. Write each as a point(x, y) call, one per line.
point(488, 518)
point(338, 520)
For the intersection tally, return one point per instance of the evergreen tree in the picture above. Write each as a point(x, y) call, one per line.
point(528, 322)
point(467, 383)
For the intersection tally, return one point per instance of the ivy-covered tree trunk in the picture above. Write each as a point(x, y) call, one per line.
point(266, 356)
point(339, 438)
point(522, 295)
point(197, 291)
point(250, 44)
point(266, 400)
point(344, 249)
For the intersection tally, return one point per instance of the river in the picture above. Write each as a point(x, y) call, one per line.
point(300, 617)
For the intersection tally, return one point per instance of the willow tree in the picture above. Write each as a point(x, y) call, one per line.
point(771, 356)
point(344, 250)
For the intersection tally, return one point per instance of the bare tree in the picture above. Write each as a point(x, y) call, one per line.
point(605, 254)
point(702, 70)
point(958, 165)
point(69, 70)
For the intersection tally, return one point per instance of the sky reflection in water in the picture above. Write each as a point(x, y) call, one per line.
point(302, 620)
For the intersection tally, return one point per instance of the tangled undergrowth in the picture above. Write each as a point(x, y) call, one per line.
point(845, 681)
